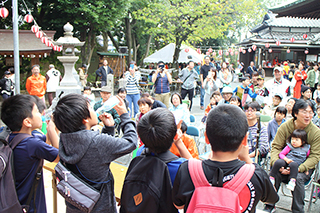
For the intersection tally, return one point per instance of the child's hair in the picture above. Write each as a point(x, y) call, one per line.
point(215, 93)
point(15, 109)
point(236, 98)
point(253, 105)
point(299, 133)
point(144, 101)
point(70, 112)
point(255, 73)
point(178, 96)
point(281, 109)
point(184, 127)
point(40, 104)
point(244, 78)
point(157, 129)
point(145, 95)
point(87, 88)
point(122, 90)
point(226, 127)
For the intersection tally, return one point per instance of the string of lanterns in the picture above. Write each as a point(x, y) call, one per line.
point(35, 29)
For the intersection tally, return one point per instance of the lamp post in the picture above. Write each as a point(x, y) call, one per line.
point(68, 84)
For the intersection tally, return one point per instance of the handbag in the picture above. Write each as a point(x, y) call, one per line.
point(76, 191)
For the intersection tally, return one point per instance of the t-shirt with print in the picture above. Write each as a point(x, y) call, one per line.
point(204, 70)
point(27, 155)
point(258, 188)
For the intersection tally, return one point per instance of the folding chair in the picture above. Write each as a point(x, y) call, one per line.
point(192, 119)
point(194, 131)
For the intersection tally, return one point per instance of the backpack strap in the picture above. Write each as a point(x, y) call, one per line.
point(196, 173)
point(17, 139)
point(241, 178)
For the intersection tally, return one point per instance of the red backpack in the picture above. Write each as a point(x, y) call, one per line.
point(207, 198)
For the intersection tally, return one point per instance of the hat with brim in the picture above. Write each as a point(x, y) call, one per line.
point(106, 89)
point(260, 77)
point(227, 90)
point(279, 95)
point(278, 68)
point(7, 72)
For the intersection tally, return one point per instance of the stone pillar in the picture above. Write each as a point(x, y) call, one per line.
point(110, 82)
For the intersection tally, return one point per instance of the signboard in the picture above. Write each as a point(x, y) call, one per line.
point(311, 58)
point(10, 61)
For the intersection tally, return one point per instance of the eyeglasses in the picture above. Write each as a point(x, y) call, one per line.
point(305, 112)
point(250, 110)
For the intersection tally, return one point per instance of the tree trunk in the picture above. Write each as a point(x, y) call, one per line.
point(134, 47)
point(176, 53)
point(128, 38)
point(105, 41)
point(114, 42)
point(83, 48)
point(147, 49)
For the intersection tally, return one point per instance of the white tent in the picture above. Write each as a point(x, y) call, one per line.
point(165, 54)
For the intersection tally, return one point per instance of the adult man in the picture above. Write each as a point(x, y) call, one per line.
point(161, 79)
point(302, 115)
point(251, 69)
point(188, 76)
point(278, 85)
point(53, 78)
point(83, 75)
point(105, 95)
point(103, 71)
point(203, 74)
point(36, 84)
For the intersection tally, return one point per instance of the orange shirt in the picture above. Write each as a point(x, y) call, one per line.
point(36, 85)
point(190, 145)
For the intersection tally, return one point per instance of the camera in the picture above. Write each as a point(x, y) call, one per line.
point(161, 66)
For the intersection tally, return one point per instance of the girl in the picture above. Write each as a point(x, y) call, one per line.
point(209, 85)
point(211, 105)
point(295, 153)
point(235, 100)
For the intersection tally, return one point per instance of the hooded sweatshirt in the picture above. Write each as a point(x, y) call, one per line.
point(92, 153)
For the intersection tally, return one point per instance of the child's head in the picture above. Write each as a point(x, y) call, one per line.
point(245, 81)
point(72, 112)
point(183, 127)
point(87, 90)
point(122, 92)
point(305, 92)
point(213, 99)
point(157, 129)
point(226, 127)
point(176, 99)
point(276, 99)
point(40, 104)
point(251, 110)
point(280, 113)
point(217, 95)
point(21, 110)
point(235, 100)
point(105, 93)
point(260, 81)
point(298, 138)
point(145, 105)
point(227, 93)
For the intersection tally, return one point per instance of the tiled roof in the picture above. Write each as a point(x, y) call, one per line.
point(292, 22)
point(286, 36)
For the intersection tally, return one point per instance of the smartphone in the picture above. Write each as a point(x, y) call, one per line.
point(161, 67)
point(132, 66)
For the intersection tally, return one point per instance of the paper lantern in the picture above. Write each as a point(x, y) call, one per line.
point(35, 28)
point(305, 36)
point(278, 43)
point(288, 50)
point(230, 50)
point(236, 52)
point(231, 53)
point(210, 50)
point(249, 50)
point(214, 54)
point(270, 50)
point(44, 39)
point(254, 47)
point(244, 51)
point(28, 18)
point(240, 49)
point(207, 53)
point(49, 43)
point(55, 47)
point(306, 51)
point(227, 53)
point(267, 45)
point(198, 51)
point(186, 50)
point(59, 48)
point(220, 52)
point(292, 39)
point(4, 12)
point(39, 34)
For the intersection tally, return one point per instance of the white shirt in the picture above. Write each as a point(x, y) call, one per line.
point(54, 80)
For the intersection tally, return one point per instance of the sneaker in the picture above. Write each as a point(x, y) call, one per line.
point(291, 185)
point(201, 107)
point(269, 208)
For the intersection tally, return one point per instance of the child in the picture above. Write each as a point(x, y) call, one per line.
point(262, 92)
point(90, 151)
point(316, 118)
point(217, 96)
point(6, 85)
point(226, 128)
point(316, 93)
point(235, 100)
point(243, 91)
point(20, 113)
point(279, 118)
point(295, 153)
point(188, 142)
point(88, 95)
point(212, 104)
point(122, 93)
point(270, 109)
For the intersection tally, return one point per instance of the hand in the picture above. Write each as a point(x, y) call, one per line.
point(307, 172)
point(289, 161)
point(179, 134)
point(107, 119)
point(284, 171)
point(244, 154)
point(121, 107)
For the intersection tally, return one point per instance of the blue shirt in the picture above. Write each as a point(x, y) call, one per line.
point(27, 156)
point(273, 128)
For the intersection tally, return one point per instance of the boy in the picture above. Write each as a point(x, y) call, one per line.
point(87, 93)
point(91, 152)
point(270, 109)
point(279, 118)
point(227, 127)
point(243, 91)
point(21, 115)
point(262, 92)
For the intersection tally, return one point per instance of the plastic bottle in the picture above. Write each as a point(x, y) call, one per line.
point(49, 111)
point(108, 105)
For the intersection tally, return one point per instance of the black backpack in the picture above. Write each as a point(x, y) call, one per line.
point(147, 186)
point(9, 201)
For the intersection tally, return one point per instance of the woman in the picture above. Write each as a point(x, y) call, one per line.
point(261, 71)
point(306, 94)
point(300, 75)
point(209, 85)
point(224, 75)
point(133, 93)
point(179, 110)
point(145, 106)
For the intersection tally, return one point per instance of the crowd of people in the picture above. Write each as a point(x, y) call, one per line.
point(147, 125)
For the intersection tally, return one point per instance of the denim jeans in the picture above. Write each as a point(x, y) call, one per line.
point(133, 99)
point(202, 91)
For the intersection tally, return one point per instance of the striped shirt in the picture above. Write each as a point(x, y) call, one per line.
point(263, 140)
point(132, 83)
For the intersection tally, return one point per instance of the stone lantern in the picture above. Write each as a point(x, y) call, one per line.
point(70, 81)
